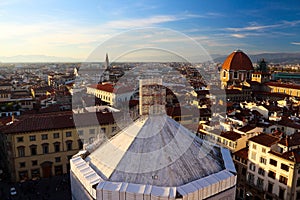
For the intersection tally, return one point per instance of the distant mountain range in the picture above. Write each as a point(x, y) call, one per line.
point(36, 58)
point(276, 58)
point(280, 58)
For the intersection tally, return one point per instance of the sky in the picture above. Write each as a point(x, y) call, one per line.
point(72, 30)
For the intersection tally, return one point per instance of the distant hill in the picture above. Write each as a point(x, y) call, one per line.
point(36, 58)
point(277, 58)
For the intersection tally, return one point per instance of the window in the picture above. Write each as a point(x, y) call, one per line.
point(281, 193)
point(224, 74)
point(20, 139)
point(260, 183)
point(32, 138)
point(298, 182)
point(113, 129)
point(263, 150)
point(272, 174)
point(33, 150)
point(44, 137)
point(261, 171)
point(68, 134)
point(251, 178)
point(253, 156)
point(21, 151)
point(244, 171)
point(69, 145)
point(263, 160)
point(55, 135)
point(298, 195)
point(283, 179)
point(237, 158)
point(270, 187)
point(22, 164)
point(92, 131)
point(235, 74)
point(35, 173)
point(34, 162)
point(57, 159)
point(273, 162)
point(80, 144)
point(284, 167)
point(225, 142)
point(252, 167)
point(103, 130)
point(56, 146)
point(253, 146)
point(45, 148)
point(80, 132)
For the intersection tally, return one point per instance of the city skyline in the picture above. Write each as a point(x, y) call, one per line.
point(70, 31)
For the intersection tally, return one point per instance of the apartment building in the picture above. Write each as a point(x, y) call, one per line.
point(273, 167)
point(41, 145)
point(108, 93)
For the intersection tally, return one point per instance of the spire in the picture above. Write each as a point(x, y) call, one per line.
point(106, 61)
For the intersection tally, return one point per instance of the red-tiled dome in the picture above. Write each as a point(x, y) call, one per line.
point(237, 60)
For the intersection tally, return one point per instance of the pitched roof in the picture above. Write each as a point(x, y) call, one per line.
point(57, 120)
point(108, 87)
point(242, 153)
point(283, 85)
point(289, 123)
point(264, 139)
point(231, 135)
point(292, 140)
point(293, 155)
point(246, 128)
point(178, 157)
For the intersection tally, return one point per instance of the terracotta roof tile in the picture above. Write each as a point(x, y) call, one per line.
point(264, 139)
point(231, 135)
point(58, 120)
point(292, 140)
point(243, 153)
point(237, 60)
point(284, 85)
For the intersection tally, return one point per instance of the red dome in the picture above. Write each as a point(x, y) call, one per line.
point(237, 60)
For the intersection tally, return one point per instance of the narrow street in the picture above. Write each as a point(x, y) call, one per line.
point(54, 188)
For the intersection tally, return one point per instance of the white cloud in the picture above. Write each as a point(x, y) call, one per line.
point(237, 35)
point(253, 28)
point(143, 22)
point(295, 43)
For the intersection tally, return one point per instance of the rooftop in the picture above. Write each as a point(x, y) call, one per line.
point(156, 151)
point(264, 139)
point(231, 135)
point(243, 153)
point(237, 60)
point(56, 120)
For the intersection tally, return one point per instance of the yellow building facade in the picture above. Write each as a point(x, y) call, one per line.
point(41, 145)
